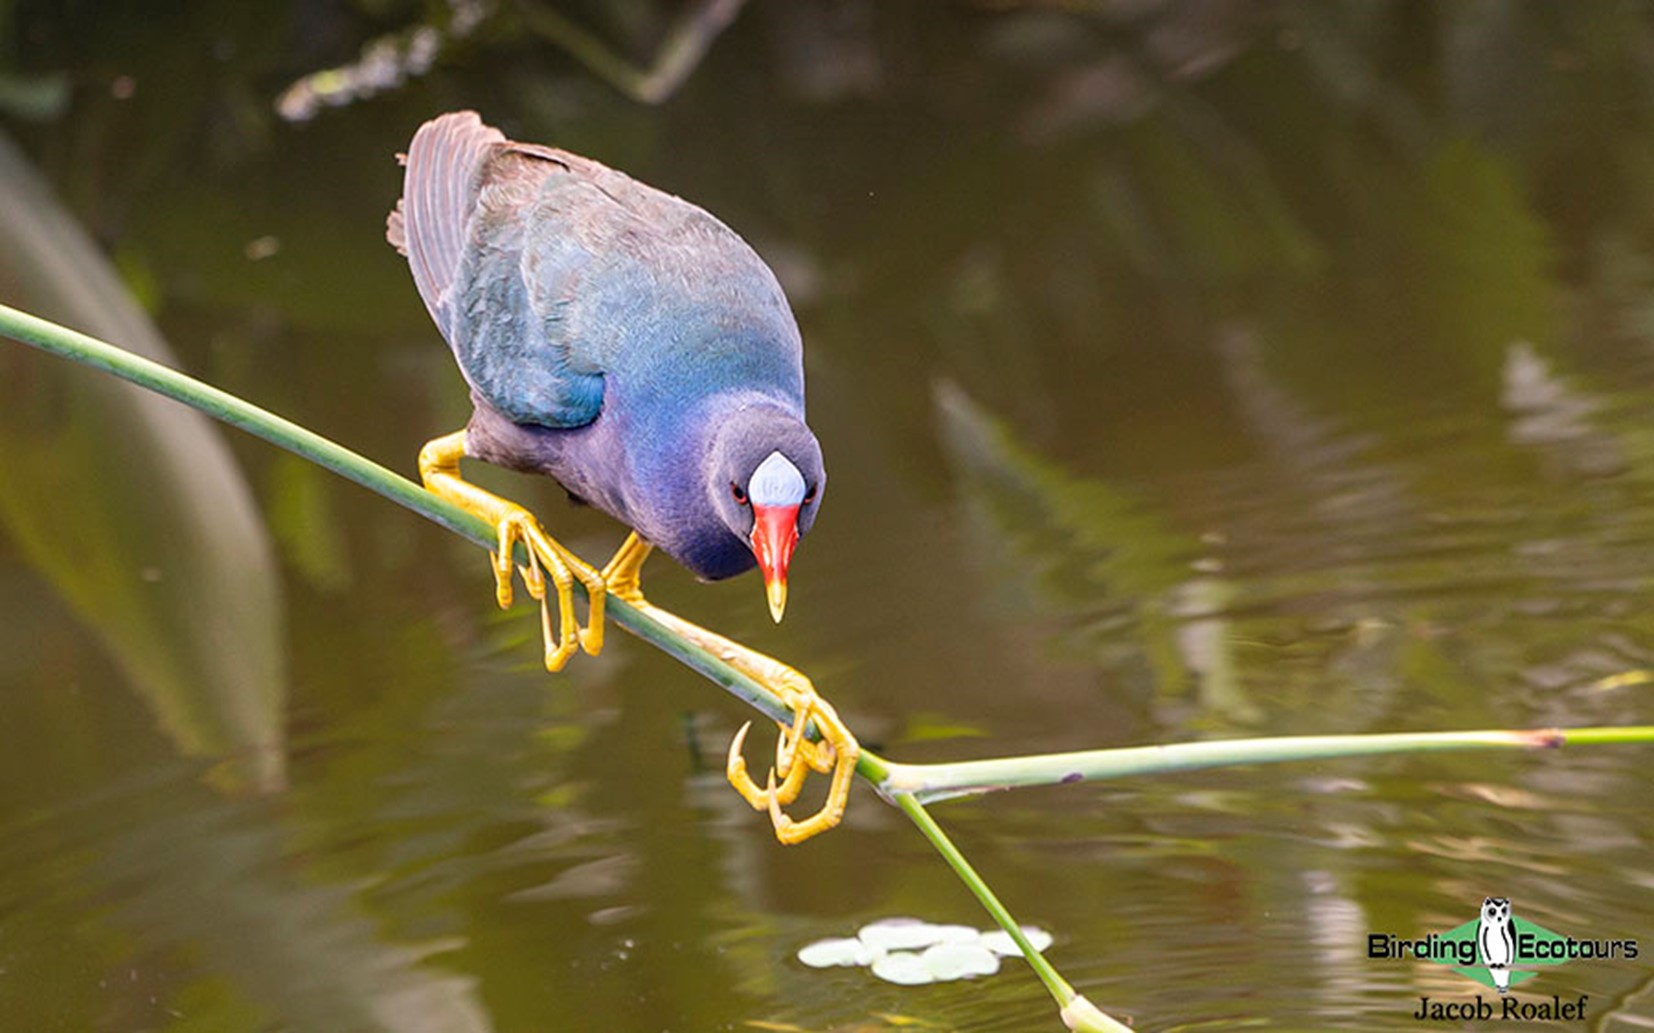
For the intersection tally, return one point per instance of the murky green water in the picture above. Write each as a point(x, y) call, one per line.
point(1184, 371)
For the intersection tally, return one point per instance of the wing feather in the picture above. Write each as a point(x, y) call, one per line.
point(461, 222)
point(439, 190)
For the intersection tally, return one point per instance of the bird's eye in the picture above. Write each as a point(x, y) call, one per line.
point(810, 496)
point(740, 496)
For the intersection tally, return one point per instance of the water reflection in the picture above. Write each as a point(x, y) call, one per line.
point(1301, 368)
point(131, 506)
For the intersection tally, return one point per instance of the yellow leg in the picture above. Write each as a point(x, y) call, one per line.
point(795, 755)
point(621, 574)
point(439, 468)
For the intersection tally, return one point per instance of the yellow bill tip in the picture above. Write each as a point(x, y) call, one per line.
point(776, 591)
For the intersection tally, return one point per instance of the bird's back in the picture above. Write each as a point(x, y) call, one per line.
point(552, 275)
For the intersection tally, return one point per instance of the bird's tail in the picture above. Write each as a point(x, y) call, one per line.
point(1501, 977)
point(439, 189)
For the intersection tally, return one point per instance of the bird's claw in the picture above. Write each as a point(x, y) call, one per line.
point(439, 469)
point(795, 757)
point(545, 555)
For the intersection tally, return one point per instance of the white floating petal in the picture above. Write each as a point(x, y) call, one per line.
point(904, 967)
point(899, 934)
point(1000, 942)
point(847, 951)
point(960, 961)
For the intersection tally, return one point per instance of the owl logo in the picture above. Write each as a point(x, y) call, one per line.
point(1496, 940)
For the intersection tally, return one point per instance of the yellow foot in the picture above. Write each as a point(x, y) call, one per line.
point(545, 555)
point(795, 757)
point(439, 467)
point(795, 754)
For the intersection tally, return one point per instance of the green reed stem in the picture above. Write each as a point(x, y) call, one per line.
point(932, 782)
point(1077, 1012)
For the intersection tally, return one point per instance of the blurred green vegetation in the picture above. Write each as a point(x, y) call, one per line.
point(1302, 363)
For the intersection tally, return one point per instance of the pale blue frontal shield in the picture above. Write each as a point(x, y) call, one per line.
point(776, 482)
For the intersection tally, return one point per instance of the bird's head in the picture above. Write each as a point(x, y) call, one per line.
point(767, 485)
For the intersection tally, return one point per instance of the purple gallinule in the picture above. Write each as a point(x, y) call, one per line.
point(632, 347)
